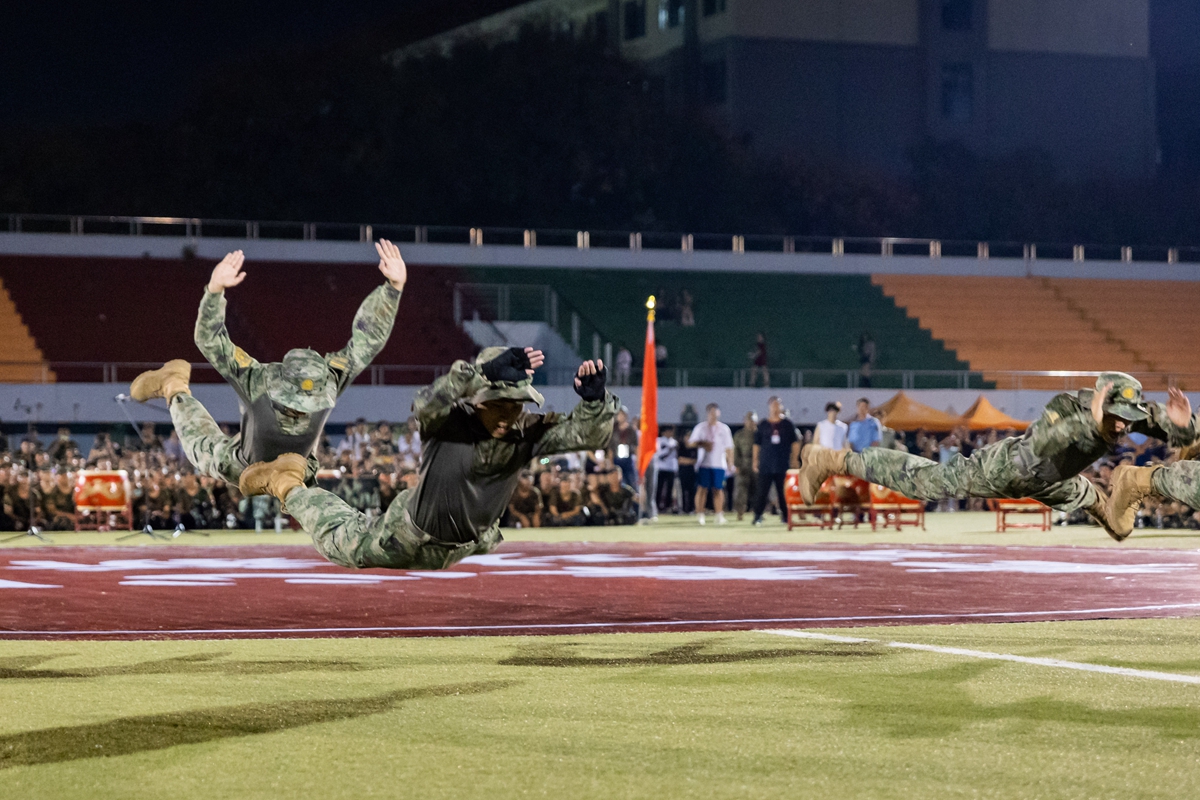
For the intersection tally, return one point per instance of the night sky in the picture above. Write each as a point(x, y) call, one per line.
point(84, 63)
point(111, 62)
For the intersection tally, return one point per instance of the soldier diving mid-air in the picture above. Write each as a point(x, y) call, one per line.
point(284, 405)
point(1073, 432)
point(475, 439)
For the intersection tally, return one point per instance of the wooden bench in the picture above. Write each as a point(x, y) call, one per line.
point(1024, 505)
point(892, 509)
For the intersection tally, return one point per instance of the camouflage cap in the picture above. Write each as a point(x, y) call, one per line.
point(302, 382)
point(521, 391)
point(1124, 399)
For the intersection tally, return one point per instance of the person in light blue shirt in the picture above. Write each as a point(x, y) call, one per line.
point(865, 431)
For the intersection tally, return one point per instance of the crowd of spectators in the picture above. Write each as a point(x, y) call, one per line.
point(367, 466)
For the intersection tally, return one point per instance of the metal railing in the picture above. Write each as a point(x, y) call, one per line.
point(110, 372)
point(883, 247)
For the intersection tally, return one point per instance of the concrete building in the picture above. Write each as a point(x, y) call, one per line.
point(864, 81)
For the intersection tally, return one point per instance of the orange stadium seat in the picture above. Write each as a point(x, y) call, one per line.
point(1042, 324)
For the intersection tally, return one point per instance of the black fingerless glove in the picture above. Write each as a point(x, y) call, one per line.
point(591, 387)
point(508, 367)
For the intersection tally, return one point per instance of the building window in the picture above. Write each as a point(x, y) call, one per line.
point(958, 92)
point(714, 81)
point(713, 7)
point(956, 15)
point(635, 19)
point(670, 14)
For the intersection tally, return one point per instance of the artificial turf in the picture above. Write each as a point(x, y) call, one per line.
point(653, 715)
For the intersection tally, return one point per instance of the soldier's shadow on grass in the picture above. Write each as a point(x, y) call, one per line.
point(140, 734)
point(27, 667)
point(561, 655)
point(935, 703)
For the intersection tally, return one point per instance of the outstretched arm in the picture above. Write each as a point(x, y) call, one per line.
point(589, 426)
point(1172, 423)
point(375, 318)
point(212, 337)
point(433, 404)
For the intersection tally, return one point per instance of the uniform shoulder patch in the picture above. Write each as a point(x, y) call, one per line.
point(242, 358)
point(339, 363)
point(1052, 416)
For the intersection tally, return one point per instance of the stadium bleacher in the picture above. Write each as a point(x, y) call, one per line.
point(143, 310)
point(79, 309)
point(811, 321)
point(1036, 323)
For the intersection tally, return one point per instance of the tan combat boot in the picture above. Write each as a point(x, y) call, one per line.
point(167, 381)
point(1130, 485)
point(1099, 512)
point(275, 478)
point(817, 464)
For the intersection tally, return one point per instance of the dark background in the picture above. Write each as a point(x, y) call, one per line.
point(272, 110)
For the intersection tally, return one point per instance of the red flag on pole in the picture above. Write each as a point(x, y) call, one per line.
point(648, 442)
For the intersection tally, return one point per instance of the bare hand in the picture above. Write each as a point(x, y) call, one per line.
point(1179, 408)
point(228, 272)
point(1098, 403)
point(391, 264)
point(536, 359)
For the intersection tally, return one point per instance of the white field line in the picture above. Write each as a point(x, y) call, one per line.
point(958, 651)
point(1068, 614)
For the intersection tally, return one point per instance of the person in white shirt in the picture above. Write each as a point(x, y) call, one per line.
point(831, 431)
point(715, 441)
point(356, 440)
point(408, 446)
point(666, 460)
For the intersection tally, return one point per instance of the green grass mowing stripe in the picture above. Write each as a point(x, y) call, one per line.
point(584, 627)
point(958, 651)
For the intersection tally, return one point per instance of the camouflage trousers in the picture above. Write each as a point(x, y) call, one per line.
point(348, 538)
point(1179, 481)
point(745, 489)
point(996, 471)
point(211, 452)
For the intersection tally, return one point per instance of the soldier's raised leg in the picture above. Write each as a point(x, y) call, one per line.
point(912, 476)
point(346, 536)
point(210, 451)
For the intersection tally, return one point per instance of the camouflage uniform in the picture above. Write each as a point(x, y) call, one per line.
point(1044, 464)
point(745, 483)
point(1179, 481)
point(467, 478)
point(304, 382)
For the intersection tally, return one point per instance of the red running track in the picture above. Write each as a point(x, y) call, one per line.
point(533, 588)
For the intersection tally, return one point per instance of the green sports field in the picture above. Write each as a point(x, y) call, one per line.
point(729, 714)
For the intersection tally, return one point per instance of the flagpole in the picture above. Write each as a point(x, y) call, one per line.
point(648, 429)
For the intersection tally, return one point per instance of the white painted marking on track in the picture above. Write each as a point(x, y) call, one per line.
point(22, 585)
point(1067, 614)
point(982, 654)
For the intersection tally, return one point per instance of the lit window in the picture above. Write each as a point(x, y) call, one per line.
point(956, 15)
point(635, 19)
point(958, 92)
point(713, 7)
point(670, 14)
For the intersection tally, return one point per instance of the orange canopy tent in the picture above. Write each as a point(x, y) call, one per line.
point(983, 416)
point(902, 413)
